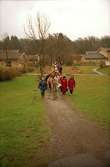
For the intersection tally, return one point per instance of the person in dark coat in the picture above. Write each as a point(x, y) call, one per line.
point(42, 86)
point(64, 85)
point(71, 84)
point(59, 66)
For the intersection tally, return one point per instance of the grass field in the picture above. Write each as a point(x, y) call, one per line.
point(86, 69)
point(92, 96)
point(67, 70)
point(105, 70)
point(23, 123)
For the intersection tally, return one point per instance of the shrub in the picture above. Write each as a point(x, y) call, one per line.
point(30, 68)
point(24, 69)
point(7, 73)
point(102, 64)
point(21, 69)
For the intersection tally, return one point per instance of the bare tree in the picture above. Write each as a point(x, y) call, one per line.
point(38, 30)
point(6, 45)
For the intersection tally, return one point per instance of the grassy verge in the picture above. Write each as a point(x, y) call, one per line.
point(86, 69)
point(67, 70)
point(105, 70)
point(23, 124)
point(92, 97)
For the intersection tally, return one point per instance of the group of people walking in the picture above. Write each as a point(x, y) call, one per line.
point(55, 83)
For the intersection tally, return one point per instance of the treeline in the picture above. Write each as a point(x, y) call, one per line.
point(90, 44)
point(55, 46)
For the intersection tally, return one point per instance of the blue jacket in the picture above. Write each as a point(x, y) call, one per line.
point(42, 85)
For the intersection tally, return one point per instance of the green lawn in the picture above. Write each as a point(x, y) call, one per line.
point(86, 69)
point(23, 123)
point(92, 96)
point(105, 70)
point(78, 69)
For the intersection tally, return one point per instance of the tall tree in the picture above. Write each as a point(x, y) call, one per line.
point(6, 46)
point(38, 30)
point(14, 42)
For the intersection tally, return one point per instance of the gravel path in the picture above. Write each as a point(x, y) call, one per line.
point(95, 70)
point(75, 141)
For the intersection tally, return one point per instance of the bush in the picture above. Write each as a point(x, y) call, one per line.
point(21, 69)
point(7, 73)
point(25, 68)
point(30, 69)
point(102, 64)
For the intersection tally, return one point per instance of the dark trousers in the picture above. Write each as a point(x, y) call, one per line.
point(71, 91)
point(42, 93)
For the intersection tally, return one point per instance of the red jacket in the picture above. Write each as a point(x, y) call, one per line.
point(71, 83)
point(64, 84)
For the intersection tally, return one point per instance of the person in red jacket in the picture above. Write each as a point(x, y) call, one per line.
point(71, 84)
point(64, 85)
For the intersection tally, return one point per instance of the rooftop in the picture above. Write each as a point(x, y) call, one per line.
point(93, 55)
point(12, 54)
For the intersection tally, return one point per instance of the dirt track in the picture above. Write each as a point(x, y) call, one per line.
point(75, 141)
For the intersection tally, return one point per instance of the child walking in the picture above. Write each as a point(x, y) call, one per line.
point(64, 85)
point(42, 86)
point(71, 84)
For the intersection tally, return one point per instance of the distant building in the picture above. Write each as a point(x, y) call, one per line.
point(93, 57)
point(34, 59)
point(29, 59)
point(14, 57)
point(9, 57)
point(106, 53)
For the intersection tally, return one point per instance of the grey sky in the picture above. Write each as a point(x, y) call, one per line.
point(74, 18)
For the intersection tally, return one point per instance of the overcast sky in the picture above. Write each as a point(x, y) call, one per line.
point(74, 18)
